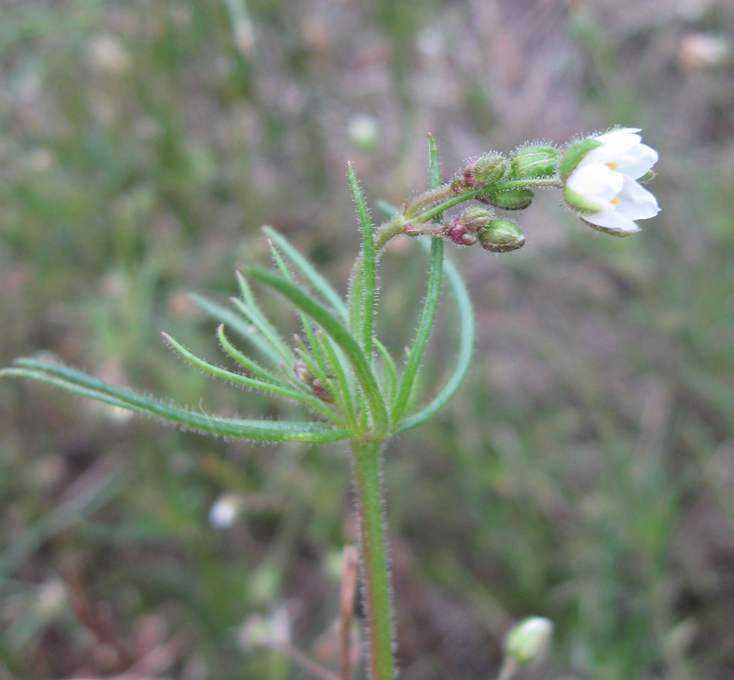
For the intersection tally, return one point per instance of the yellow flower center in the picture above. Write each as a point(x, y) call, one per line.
point(611, 165)
point(615, 200)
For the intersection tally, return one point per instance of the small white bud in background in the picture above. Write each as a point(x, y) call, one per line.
point(363, 132)
point(225, 511)
point(702, 50)
point(529, 640)
point(51, 599)
point(108, 55)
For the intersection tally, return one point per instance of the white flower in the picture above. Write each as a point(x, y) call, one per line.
point(602, 185)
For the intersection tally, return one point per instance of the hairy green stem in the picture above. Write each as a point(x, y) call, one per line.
point(373, 552)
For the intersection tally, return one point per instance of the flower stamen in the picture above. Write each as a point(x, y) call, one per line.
point(611, 165)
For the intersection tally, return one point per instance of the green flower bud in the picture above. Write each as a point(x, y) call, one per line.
point(485, 170)
point(364, 132)
point(464, 229)
point(475, 219)
point(575, 153)
point(529, 640)
point(512, 199)
point(532, 162)
point(303, 372)
point(501, 236)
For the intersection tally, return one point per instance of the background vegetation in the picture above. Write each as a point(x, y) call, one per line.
point(584, 471)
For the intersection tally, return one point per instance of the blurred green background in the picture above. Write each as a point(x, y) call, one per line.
point(584, 471)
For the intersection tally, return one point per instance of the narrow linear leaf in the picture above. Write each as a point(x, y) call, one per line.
point(84, 385)
point(320, 370)
point(245, 361)
point(319, 283)
point(424, 329)
point(242, 327)
point(331, 325)
point(340, 382)
point(391, 373)
point(238, 379)
point(249, 307)
point(434, 168)
point(356, 296)
point(466, 350)
point(369, 284)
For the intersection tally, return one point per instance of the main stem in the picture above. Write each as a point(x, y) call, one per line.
point(377, 590)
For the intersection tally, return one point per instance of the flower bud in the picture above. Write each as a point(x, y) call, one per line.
point(364, 132)
point(485, 170)
point(574, 154)
point(225, 511)
point(532, 162)
point(529, 640)
point(303, 372)
point(501, 236)
point(512, 199)
point(464, 229)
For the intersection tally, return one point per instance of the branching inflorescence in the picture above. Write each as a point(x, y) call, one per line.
point(338, 369)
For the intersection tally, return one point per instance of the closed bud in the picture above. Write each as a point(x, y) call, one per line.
point(501, 236)
point(532, 162)
point(464, 229)
point(512, 199)
point(303, 372)
point(485, 170)
point(529, 640)
point(475, 219)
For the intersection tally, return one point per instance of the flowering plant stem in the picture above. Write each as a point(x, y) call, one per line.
point(340, 370)
point(376, 575)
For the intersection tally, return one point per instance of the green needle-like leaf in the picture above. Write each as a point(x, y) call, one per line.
point(84, 385)
point(340, 382)
point(391, 373)
point(245, 361)
point(331, 325)
point(319, 283)
point(434, 167)
point(369, 281)
point(424, 329)
point(249, 307)
point(407, 390)
point(466, 350)
point(320, 370)
point(241, 326)
point(238, 379)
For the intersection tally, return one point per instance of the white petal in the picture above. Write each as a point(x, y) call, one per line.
point(612, 220)
point(636, 202)
point(637, 161)
point(596, 182)
point(620, 141)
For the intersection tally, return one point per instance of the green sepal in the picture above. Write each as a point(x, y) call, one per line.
point(512, 199)
point(574, 154)
point(534, 162)
point(579, 202)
